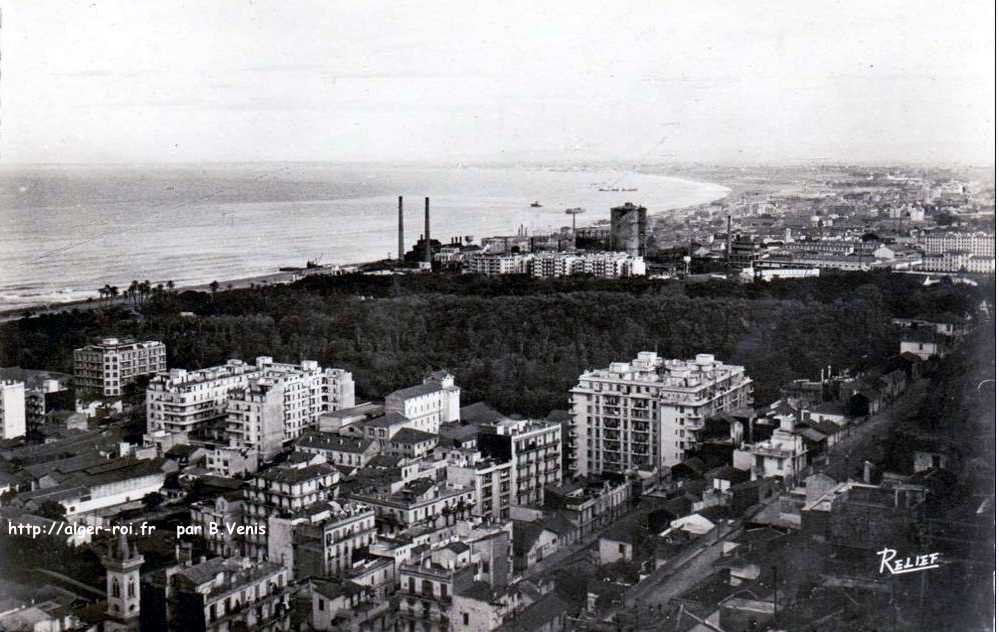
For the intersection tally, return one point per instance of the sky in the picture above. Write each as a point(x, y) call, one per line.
point(661, 81)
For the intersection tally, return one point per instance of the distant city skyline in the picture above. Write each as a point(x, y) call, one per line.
point(715, 82)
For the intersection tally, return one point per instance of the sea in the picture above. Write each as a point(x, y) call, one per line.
point(67, 230)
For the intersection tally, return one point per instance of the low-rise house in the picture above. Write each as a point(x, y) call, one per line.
point(321, 539)
point(427, 586)
point(217, 519)
point(835, 412)
point(98, 487)
point(217, 595)
point(782, 455)
point(589, 504)
point(338, 449)
point(346, 606)
point(532, 542)
point(376, 572)
point(409, 443)
point(921, 342)
point(419, 502)
point(232, 461)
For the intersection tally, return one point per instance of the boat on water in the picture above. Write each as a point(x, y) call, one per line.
point(616, 189)
point(535, 204)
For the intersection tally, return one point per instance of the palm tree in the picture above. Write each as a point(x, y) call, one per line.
point(144, 289)
point(169, 285)
point(102, 292)
point(133, 289)
point(214, 286)
point(113, 292)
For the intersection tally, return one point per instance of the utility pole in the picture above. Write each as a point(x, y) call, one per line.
point(775, 595)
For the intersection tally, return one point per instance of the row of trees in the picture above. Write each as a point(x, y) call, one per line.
point(138, 292)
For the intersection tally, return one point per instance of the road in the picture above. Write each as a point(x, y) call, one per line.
point(652, 600)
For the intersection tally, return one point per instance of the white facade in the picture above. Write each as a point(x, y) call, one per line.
point(607, 265)
point(648, 412)
point(925, 349)
point(182, 401)
point(493, 265)
point(782, 455)
point(106, 368)
point(427, 405)
point(12, 412)
point(536, 455)
point(955, 261)
point(264, 404)
point(978, 244)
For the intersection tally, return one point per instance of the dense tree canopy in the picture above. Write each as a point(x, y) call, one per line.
point(515, 342)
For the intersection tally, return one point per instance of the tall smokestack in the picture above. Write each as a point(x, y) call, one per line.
point(402, 242)
point(426, 230)
point(728, 242)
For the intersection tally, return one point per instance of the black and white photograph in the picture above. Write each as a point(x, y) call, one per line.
point(497, 316)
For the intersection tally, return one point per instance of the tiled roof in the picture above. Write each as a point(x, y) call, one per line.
point(296, 474)
point(412, 436)
point(415, 391)
point(333, 442)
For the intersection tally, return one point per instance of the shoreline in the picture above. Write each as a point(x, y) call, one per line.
point(279, 277)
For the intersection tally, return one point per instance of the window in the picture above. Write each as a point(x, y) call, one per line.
point(464, 618)
point(620, 549)
point(322, 605)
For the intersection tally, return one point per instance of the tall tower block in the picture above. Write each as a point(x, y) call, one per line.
point(628, 229)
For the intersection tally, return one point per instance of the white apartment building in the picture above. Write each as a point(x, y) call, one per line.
point(492, 482)
point(183, 401)
point(534, 447)
point(978, 244)
point(427, 405)
point(12, 412)
point(957, 261)
point(495, 264)
point(649, 412)
point(107, 367)
point(264, 404)
point(608, 265)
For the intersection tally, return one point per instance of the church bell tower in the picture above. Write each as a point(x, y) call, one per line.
point(122, 563)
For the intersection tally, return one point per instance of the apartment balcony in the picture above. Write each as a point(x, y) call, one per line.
point(612, 423)
point(640, 414)
point(612, 410)
point(613, 446)
point(613, 435)
point(694, 423)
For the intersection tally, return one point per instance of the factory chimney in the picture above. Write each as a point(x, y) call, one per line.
point(728, 242)
point(402, 243)
point(426, 230)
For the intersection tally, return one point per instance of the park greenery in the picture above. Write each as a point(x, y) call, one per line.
point(515, 342)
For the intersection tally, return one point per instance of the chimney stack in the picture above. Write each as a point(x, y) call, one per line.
point(402, 243)
point(728, 242)
point(426, 231)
